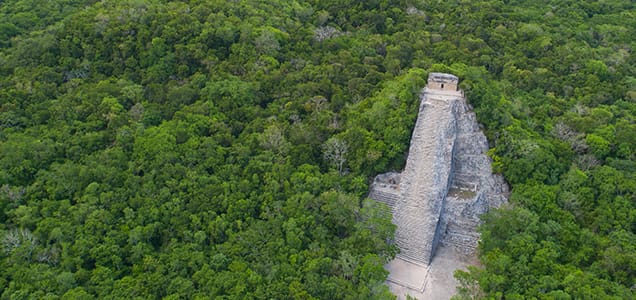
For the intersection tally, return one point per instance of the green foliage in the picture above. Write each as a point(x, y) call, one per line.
point(552, 115)
point(176, 149)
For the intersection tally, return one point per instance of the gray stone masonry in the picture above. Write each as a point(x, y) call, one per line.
point(447, 181)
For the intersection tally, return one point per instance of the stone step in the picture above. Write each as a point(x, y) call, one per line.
point(468, 243)
point(463, 222)
point(462, 234)
point(385, 197)
point(417, 260)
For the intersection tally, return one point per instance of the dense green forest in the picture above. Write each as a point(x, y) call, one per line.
point(223, 149)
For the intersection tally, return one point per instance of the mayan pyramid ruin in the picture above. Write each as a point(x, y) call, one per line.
point(446, 185)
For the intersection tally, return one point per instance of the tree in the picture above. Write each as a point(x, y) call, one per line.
point(335, 151)
point(468, 288)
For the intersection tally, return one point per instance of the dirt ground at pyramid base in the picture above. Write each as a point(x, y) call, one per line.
point(440, 284)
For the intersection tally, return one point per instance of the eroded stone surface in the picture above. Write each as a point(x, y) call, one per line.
point(426, 177)
point(446, 185)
